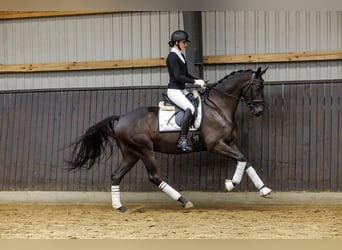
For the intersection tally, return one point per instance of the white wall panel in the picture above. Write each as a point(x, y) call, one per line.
point(249, 32)
point(145, 35)
point(87, 38)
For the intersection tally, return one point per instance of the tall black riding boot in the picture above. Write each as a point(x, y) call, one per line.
point(182, 141)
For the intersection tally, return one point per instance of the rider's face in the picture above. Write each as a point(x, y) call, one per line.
point(182, 44)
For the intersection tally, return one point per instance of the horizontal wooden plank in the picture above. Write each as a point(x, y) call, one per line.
point(275, 57)
point(32, 14)
point(91, 65)
point(160, 62)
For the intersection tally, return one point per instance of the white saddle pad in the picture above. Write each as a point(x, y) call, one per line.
point(167, 118)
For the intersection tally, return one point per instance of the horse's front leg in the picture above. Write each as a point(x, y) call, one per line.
point(258, 183)
point(242, 165)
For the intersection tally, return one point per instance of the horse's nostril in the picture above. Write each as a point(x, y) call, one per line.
point(259, 112)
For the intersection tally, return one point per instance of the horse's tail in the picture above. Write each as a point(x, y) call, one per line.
point(93, 143)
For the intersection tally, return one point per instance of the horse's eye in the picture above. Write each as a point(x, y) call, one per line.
point(259, 87)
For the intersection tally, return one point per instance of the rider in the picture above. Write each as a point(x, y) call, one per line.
point(179, 75)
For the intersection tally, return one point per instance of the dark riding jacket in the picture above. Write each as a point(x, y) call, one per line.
point(178, 72)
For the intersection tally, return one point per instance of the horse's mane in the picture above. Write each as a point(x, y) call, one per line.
point(234, 73)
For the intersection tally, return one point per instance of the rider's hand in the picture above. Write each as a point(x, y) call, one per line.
point(201, 83)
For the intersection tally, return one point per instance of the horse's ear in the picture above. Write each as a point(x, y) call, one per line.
point(263, 71)
point(258, 71)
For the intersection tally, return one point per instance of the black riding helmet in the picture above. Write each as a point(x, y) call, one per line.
point(179, 35)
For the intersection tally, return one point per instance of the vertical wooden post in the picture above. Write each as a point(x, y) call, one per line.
point(194, 51)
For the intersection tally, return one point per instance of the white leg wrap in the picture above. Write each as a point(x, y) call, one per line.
point(166, 188)
point(229, 185)
point(240, 168)
point(254, 177)
point(116, 203)
point(265, 192)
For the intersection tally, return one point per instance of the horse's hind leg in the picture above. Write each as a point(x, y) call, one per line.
point(150, 163)
point(125, 166)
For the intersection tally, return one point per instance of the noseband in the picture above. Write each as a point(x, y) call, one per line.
point(251, 103)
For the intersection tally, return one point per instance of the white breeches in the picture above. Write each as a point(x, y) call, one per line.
point(178, 97)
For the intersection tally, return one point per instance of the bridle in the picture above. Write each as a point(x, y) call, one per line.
point(251, 103)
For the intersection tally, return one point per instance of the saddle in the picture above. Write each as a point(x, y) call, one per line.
point(171, 116)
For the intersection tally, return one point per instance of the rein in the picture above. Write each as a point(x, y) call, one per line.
point(250, 103)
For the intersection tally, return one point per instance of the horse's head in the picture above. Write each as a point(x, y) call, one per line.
point(253, 92)
point(243, 85)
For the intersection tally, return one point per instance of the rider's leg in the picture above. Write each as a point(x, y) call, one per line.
point(178, 97)
point(182, 142)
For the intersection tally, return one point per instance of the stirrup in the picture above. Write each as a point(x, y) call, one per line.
point(183, 145)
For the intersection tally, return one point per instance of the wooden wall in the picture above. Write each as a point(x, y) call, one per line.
point(295, 146)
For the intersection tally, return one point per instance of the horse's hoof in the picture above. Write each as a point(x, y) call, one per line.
point(229, 185)
point(123, 209)
point(265, 192)
point(188, 205)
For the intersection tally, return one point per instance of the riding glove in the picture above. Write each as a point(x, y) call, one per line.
point(201, 83)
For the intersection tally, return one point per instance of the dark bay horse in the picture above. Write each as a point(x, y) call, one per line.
point(136, 134)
